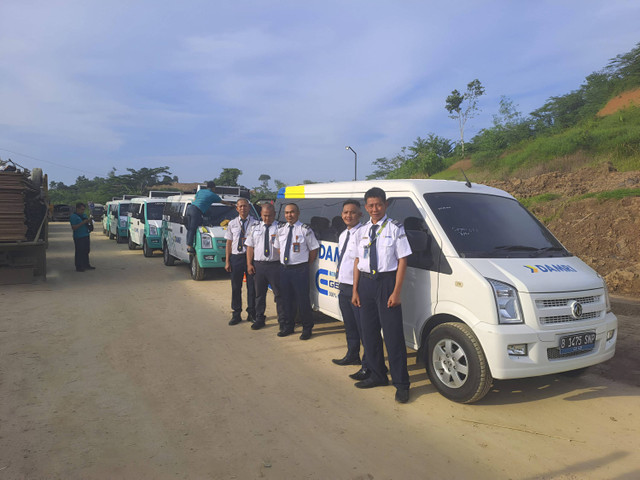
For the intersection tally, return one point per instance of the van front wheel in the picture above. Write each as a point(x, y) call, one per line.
point(146, 250)
point(169, 260)
point(197, 272)
point(132, 246)
point(456, 363)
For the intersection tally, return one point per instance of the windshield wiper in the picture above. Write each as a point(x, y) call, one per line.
point(517, 248)
point(551, 249)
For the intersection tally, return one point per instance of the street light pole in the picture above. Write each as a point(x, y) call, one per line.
point(355, 169)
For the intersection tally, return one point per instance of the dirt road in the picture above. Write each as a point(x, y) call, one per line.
point(131, 371)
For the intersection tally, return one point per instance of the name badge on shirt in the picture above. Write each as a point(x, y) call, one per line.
point(296, 247)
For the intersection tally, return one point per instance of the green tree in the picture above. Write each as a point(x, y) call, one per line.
point(229, 177)
point(463, 106)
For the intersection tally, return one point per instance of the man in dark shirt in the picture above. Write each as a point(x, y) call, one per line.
point(80, 225)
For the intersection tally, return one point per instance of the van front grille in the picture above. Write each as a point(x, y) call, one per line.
point(567, 318)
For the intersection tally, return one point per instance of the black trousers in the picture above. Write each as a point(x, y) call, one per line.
point(294, 285)
point(83, 246)
point(375, 315)
point(351, 319)
point(194, 220)
point(238, 271)
point(267, 273)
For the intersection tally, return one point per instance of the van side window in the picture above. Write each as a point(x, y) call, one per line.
point(323, 215)
point(404, 210)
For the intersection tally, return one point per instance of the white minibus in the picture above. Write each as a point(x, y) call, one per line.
point(489, 292)
point(145, 224)
point(209, 242)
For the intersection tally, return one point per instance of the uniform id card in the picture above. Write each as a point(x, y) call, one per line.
point(365, 254)
point(273, 239)
point(296, 247)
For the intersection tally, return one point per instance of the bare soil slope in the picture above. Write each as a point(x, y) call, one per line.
point(624, 100)
point(604, 233)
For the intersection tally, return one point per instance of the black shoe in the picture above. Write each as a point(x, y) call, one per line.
point(285, 333)
point(402, 396)
point(371, 383)
point(191, 250)
point(251, 318)
point(361, 374)
point(235, 320)
point(347, 360)
point(257, 325)
point(90, 267)
point(306, 335)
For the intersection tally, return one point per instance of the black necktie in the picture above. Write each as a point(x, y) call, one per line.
point(242, 234)
point(373, 251)
point(266, 241)
point(287, 249)
point(344, 247)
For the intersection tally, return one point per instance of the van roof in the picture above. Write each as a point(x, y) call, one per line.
point(148, 200)
point(358, 189)
point(188, 197)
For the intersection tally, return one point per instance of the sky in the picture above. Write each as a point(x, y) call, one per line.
point(277, 87)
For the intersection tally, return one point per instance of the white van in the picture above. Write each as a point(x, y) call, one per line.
point(489, 292)
point(119, 220)
point(145, 224)
point(209, 242)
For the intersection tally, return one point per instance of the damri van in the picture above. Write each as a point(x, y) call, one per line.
point(119, 221)
point(145, 224)
point(489, 292)
point(209, 242)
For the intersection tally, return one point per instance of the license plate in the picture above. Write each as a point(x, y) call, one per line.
point(579, 342)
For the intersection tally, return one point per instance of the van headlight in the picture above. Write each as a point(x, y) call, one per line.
point(206, 241)
point(507, 302)
point(606, 294)
point(153, 230)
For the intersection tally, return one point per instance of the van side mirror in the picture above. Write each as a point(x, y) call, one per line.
point(420, 243)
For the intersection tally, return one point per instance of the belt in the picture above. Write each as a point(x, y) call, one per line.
point(265, 262)
point(378, 275)
point(297, 265)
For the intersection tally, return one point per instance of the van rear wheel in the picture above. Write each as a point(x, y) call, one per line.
point(197, 272)
point(132, 246)
point(169, 260)
point(111, 236)
point(456, 363)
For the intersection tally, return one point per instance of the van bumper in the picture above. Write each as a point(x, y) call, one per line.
point(543, 356)
point(211, 258)
point(154, 242)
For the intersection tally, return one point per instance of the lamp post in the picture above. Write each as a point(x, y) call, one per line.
point(355, 168)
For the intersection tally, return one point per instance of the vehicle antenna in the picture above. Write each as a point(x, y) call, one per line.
point(467, 183)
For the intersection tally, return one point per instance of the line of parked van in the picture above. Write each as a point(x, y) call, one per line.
point(489, 292)
point(158, 222)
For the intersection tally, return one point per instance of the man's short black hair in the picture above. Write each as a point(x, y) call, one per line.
point(79, 205)
point(294, 204)
point(351, 201)
point(375, 192)
point(211, 184)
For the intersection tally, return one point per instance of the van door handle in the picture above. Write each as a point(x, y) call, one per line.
point(181, 229)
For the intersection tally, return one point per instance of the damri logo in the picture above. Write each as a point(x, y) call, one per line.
point(550, 268)
point(326, 278)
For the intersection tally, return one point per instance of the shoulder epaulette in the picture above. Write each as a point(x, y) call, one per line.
point(396, 223)
point(305, 226)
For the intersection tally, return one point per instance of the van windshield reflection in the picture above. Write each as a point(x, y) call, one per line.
point(490, 226)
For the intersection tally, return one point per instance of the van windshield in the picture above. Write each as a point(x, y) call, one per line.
point(124, 209)
point(489, 226)
point(217, 214)
point(154, 210)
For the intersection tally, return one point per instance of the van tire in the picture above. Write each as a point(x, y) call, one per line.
point(168, 259)
point(146, 250)
point(111, 236)
point(456, 364)
point(118, 237)
point(197, 272)
point(132, 246)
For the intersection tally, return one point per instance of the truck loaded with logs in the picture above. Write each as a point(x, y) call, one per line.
point(23, 223)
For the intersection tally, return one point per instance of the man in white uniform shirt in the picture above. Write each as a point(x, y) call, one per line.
point(379, 269)
point(298, 249)
point(236, 262)
point(263, 262)
point(351, 215)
